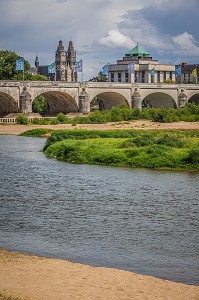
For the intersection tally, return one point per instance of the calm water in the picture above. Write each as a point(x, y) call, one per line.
point(138, 220)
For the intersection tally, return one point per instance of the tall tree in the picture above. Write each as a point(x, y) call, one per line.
point(8, 68)
point(8, 65)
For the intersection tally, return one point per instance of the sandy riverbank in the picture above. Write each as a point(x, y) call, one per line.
point(55, 279)
point(17, 129)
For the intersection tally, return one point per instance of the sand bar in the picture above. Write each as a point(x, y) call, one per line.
point(147, 125)
point(55, 279)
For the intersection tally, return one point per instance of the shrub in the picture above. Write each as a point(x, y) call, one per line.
point(193, 156)
point(143, 141)
point(171, 141)
point(21, 119)
point(38, 132)
point(62, 118)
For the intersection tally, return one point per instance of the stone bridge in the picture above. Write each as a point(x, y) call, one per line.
point(67, 97)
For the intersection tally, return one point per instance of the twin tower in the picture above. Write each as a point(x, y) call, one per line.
point(65, 63)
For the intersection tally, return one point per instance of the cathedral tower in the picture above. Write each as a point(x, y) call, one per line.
point(60, 62)
point(70, 63)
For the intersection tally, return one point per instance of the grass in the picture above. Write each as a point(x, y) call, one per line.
point(174, 150)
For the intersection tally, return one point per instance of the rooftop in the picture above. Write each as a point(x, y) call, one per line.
point(138, 51)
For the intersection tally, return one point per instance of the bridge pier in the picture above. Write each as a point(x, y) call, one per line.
point(136, 99)
point(84, 102)
point(25, 102)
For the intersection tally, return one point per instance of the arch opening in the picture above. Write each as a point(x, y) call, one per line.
point(7, 105)
point(158, 100)
point(106, 100)
point(194, 99)
point(57, 102)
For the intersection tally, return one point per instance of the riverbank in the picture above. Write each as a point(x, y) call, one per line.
point(16, 129)
point(42, 278)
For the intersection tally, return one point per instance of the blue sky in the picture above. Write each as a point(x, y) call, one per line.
point(102, 30)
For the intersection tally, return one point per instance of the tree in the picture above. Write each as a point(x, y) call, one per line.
point(100, 77)
point(8, 64)
point(39, 104)
point(8, 68)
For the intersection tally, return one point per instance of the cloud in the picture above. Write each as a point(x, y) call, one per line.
point(115, 38)
point(186, 44)
point(102, 30)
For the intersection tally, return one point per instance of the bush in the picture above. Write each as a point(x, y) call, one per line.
point(143, 141)
point(171, 141)
point(38, 132)
point(193, 156)
point(21, 119)
point(62, 118)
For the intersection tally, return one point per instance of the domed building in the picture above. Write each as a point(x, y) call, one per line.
point(138, 66)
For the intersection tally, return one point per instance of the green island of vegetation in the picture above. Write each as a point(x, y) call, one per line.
point(155, 149)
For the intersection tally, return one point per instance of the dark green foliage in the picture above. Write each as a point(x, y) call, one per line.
point(143, 141)
point(39, 104)
point(8, 68)
point(8, 65)
point(61, 118)
point(21, 119)
point(171, 141)
point(193, 156)
point(38, 132)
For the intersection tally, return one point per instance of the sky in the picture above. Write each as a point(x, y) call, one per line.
point(102, 31)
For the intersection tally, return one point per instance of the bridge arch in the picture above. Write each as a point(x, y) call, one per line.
point(194, 99)
point(158, 100)
point(59, 102)
point(106, 100)
point(7, 104)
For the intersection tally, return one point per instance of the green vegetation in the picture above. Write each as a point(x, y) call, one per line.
point(8, 68)
point(189, 113)
point(38, 132)
point(39, 104)
point(21, 119)
point(173, 150)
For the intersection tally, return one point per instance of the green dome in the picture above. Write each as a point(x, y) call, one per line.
point(137, 51)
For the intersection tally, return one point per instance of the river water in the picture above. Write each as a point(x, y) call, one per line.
point(138, 220)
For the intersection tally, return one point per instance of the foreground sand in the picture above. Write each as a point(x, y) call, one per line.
point(55, 279)
point(17, 129)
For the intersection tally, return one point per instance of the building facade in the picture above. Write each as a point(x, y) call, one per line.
point(189, 73)
point(137, 66)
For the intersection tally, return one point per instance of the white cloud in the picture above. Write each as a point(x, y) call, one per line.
point(185, 42)
point(115, 38)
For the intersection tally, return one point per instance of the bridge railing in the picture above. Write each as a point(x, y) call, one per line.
point(13, 120)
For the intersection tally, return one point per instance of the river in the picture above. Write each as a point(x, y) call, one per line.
point(138, 220)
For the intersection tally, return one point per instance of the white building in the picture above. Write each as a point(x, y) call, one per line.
point(138, 66)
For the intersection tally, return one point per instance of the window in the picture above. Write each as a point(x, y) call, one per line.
point(112, 76)
point(143, 76)
point(158, 76)
point(126, 77)
point(170, 75)
point(136, 76)
point(119, 76)
point(164, 75)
